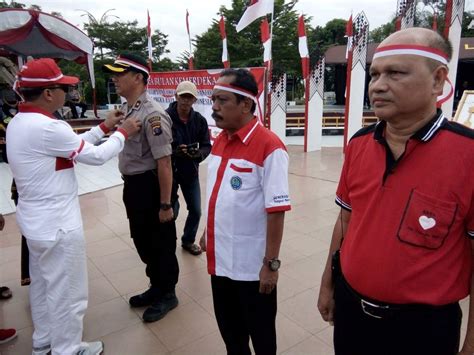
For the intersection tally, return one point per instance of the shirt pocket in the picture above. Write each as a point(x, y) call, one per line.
point(426, 221)
point(133, 146)
point(243, 177)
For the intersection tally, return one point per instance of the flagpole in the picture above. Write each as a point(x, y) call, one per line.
point(270, 74)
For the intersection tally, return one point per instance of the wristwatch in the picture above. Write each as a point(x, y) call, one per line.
point(165, 206)
point(273, 263)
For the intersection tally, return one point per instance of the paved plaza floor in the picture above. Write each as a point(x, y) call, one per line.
point(116, 272)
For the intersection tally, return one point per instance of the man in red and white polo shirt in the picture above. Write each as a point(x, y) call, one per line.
point(247, 197)
point(41, 152)
point(407, 213)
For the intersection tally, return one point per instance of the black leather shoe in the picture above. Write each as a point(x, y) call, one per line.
point(144, 299)
point(161, 307)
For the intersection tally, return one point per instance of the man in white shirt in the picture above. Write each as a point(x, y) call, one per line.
point(41, 153)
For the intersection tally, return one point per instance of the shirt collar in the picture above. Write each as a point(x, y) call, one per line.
point(246, 132)
point(27, 107)
point(424, 134)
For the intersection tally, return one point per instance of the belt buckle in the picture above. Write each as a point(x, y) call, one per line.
point(367, 306)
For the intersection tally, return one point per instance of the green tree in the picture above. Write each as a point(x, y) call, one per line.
point(12, 5)
point(116, 37)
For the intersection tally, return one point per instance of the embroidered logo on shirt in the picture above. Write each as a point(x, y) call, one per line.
point(236, 182)
point(426, 222)
point(155, 124)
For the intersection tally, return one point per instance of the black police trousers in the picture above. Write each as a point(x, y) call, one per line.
point(242, 313)
point(155, 241)
point(408, 330)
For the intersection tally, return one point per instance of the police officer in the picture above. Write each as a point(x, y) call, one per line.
point(145, 164)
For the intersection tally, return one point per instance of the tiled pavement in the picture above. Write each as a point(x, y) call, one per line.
point(116, 272)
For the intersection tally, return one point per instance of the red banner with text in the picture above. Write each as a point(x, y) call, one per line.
point(162, 87)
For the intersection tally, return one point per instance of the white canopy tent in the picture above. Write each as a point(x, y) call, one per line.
point(37, 34)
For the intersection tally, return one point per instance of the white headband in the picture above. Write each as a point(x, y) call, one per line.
point(240, 91)
point(235, 90)
point(422, 51)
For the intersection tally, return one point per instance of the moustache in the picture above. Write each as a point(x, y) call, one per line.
point(216, 116)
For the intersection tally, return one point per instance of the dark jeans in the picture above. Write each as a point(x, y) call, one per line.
point(155, 241)
point(412, 331)
point(192, 195)
point(242, 313)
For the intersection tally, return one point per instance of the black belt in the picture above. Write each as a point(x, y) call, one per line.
point(137, 177)
point(381, 310)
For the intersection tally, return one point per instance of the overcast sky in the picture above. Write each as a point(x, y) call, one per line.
point(170, 16)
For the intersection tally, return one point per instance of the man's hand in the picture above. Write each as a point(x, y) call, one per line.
point(131, 126)
point(268, 279)
point(166, 215)
point(202, 241)
point(2, 222)
point(113, 118)
point(326, 303)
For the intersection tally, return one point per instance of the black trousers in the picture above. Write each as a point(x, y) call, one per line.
point(155, 241)
point(409, 331)
point(242, 313)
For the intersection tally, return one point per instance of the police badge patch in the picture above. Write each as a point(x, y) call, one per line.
point(155, 124)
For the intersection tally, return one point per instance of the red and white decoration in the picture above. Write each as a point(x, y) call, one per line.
point(225, 54)
point(349, 35)
point(315, 107)
point(37, 34)
point(256, 9)
point(191, 56)
point(355, 82)
point(303, 47)
point(452, 31)
point(148, 33)
point(266, 42)
point(406, 10)
point(278, 107)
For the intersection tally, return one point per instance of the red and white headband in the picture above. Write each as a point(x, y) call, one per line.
point(422, 51)
point(239, 91)
point(235, 90)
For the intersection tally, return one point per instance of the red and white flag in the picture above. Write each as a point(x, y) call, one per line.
point(148, 33)
point(255, 9)
point(191, 59)
point(225, 55)
point(349, 35)
point(303, 47)
point(266, 41)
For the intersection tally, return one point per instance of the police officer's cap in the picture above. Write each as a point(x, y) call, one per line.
point(127, 62)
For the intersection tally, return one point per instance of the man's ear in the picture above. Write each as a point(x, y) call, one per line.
point(440, 75)
point(247, 105)
point(47, 95)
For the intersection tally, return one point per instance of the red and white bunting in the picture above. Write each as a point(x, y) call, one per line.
point(303, 47)
point(225, 55)
point(266, 41)
point(349, 35)
point(256, 9)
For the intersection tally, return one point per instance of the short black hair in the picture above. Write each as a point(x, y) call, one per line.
point(31, 94)
point(245, 80)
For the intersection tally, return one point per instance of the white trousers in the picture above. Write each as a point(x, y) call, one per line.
point(58, 291)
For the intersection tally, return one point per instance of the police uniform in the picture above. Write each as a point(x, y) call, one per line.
point(155, 241)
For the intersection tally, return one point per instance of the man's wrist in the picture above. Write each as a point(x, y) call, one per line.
point(273, 263)
point(165, 206)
